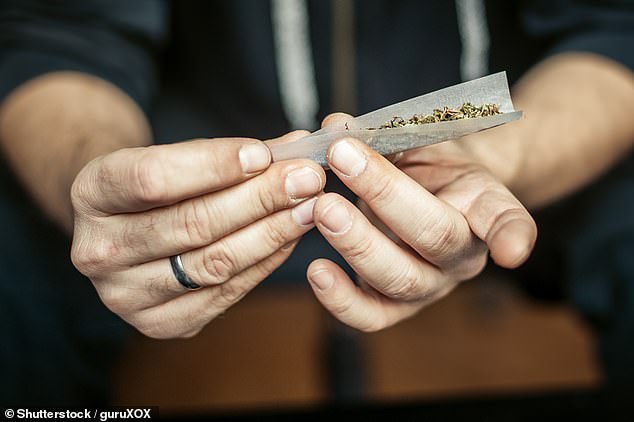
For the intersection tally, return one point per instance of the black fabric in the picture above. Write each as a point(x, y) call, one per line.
point(58, 340)
point(204, 69)
point(599, 261)
point(601, 27)
point(584, 253)
point(112, 39)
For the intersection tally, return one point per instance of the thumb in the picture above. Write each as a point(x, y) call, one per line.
point(336, 121)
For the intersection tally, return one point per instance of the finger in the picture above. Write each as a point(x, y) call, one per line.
point(136, 179)
point(494, 215)
point(220, 261)
point(394, 158)
point(162, 232)
point(435, 166)
point(435, 230)
point(336, 120)
point(187, 314)
point(384, 265)
point(365, 310)
point(340, 121)
point(289, 137)
point(149, 284)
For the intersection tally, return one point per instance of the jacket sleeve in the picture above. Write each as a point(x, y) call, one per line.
point(116, 40)
point(604, 27)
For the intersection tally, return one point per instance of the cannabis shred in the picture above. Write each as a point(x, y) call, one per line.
point(445, 114)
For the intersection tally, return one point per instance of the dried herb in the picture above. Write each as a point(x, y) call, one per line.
point(445, 114)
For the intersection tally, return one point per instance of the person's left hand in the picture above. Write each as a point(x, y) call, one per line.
point(424, 228)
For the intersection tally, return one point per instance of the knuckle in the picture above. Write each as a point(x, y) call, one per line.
point(342, 307)
point(382, 190)
point(360, 250)
point(217, 266)
point(139, 234)
point(93, 258)
point(79, 191)
point(114, 298)
point(407, 285)
point(370, 322)
point(155, 287)
point(149, 184)
point(228, 295)
point(401, 288)
point(265, 267)
point(195, 217)
point(264, 200)
point(442, 242)
point(84, 189)
point(106, 171)
point(276, 235)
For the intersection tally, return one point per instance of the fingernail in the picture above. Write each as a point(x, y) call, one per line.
point(323, 279)
point(302, 182)
point(303, 213)
point(336, 218)
point(254, 157)
point(346, 158)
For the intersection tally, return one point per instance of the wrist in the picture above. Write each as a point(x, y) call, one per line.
point(51, 126)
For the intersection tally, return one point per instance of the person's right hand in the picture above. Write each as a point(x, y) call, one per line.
point(231, 215)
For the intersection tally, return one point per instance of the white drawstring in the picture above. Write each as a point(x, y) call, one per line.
point(295, 68)
point(474, 35)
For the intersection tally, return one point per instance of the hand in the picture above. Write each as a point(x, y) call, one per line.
point(437, 217)
point(231, 215)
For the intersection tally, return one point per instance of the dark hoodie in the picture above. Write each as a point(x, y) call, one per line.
point(208, 68)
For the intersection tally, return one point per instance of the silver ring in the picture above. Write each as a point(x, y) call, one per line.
point(181, 275)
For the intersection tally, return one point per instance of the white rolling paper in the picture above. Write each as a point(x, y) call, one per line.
point(492, 89)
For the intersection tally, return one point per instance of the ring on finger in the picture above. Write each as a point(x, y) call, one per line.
point(181, 275)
